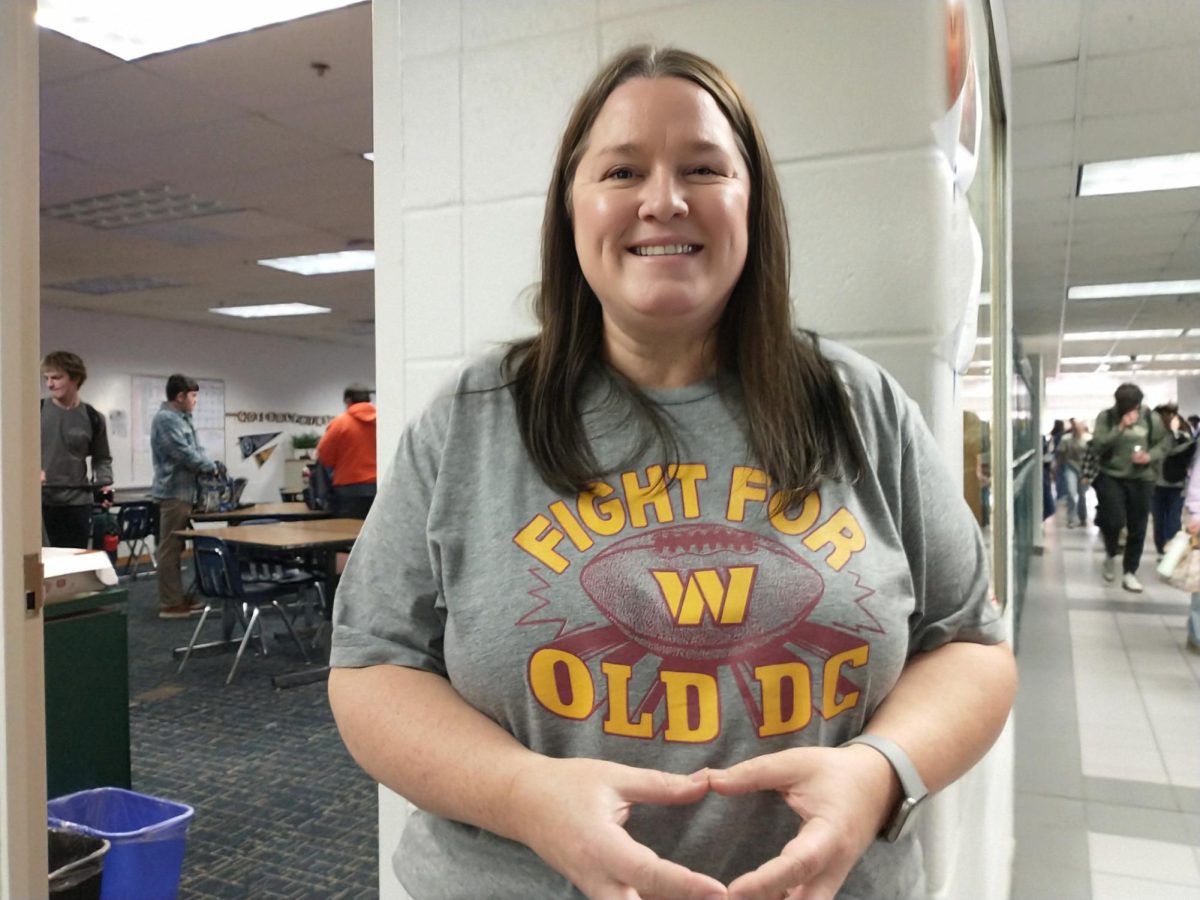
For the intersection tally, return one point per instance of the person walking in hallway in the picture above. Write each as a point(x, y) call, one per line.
point(1071, 450)
point(72, 432)
point(178, 458)
point(1166, 505)
point(1129, 440)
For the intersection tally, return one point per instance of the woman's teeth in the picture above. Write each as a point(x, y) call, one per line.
point(666, 250)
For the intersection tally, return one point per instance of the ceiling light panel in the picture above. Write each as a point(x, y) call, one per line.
point(131, 29)
point(270, 310)
point(1144, 334)
point(324, 263)
point(139, 206)
point(1147, 173)
point(1133, 289)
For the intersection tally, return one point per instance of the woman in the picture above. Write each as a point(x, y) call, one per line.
point(628, 591)
point(1191, 505)
point(1071, 451)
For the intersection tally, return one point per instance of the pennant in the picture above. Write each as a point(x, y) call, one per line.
point(263, 455)
point(251, 442)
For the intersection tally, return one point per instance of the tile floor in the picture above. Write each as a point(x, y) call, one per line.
point(1107, 732)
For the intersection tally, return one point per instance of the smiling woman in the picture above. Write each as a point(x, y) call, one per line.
point(671, 599)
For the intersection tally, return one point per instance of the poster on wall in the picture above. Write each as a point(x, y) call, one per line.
point(148, 393)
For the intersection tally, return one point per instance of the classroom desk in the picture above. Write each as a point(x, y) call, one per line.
point(285, 512)
point(322, 538)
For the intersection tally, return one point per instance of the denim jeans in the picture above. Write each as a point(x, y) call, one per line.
point(1076, 498)
point(1166, 509)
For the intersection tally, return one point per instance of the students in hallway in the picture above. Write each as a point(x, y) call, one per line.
point(348, 448)
point(178, 459)
point(1129, 439)
point(1071, 450)
point(72, 433)
point(1166, 504)
point(671, 599)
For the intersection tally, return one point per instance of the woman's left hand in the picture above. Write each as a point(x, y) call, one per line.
point(843, 797)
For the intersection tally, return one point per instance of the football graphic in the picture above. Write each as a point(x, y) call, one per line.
point(705, 592)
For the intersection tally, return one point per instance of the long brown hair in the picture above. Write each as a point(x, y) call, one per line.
point(798, 418)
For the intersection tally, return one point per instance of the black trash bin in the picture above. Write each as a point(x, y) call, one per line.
point(76, 864)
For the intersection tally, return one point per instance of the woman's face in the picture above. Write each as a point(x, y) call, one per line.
point(660, 202)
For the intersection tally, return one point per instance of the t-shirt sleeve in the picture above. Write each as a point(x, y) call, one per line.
point(388, 608)
point(947, 557)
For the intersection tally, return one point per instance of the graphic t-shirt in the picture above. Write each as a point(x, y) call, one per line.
point(670, 629)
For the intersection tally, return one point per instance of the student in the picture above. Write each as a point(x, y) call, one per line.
point(178, 458)
point(72, 433)
point(348, 448)
point(528, 641)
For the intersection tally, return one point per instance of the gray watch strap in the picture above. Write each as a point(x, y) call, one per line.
point(910, 779)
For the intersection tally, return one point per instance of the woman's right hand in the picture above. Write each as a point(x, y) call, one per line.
point(572, 812)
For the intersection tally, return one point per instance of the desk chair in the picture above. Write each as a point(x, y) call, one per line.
point(220, 575)
point(137, 524)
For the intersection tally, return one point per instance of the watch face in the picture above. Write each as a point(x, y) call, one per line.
point(900, 821)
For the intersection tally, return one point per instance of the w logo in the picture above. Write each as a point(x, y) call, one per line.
point(724, 593)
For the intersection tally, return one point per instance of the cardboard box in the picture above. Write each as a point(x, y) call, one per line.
point(68, 573)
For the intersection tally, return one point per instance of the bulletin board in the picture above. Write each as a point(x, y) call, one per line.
point(148, 393)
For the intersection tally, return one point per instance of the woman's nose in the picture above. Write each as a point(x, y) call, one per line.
point(663, 197)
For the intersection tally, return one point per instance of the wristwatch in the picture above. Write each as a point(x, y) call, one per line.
point(912, 788)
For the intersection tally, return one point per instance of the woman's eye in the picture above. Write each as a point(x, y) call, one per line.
point(705, 170)
point(621, 174)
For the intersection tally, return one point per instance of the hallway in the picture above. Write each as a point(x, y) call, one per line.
point(1107, 732)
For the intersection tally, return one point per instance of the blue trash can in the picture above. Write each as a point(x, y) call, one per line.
point(147, 835)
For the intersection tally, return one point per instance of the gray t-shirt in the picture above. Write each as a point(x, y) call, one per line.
point(671, 630)
point(69, 437)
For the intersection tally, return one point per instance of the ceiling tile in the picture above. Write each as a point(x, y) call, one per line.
point(1041, 31)
point(61, 58)
point(1044, 183)
point(1044, 93)
point(1035, 146)
point(1167, 79)
point(1138, 134)
point(345, 122)
point(1124, 26)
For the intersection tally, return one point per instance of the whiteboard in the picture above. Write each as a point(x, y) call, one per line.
point(147, 393)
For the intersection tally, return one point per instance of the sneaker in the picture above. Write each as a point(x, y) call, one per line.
point(1130, 582)
point(179, 612)
point(1110, 568)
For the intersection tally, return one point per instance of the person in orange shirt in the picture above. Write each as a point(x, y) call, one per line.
point(348, 448)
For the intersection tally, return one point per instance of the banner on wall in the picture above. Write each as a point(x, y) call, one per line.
point(262, 456)
point(250, 443)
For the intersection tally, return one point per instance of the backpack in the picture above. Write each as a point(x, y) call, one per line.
point(1175, 467)
point(217, 492)
point(319, 493)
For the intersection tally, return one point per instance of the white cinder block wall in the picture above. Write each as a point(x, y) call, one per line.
point(470, 99)
point(261, 374)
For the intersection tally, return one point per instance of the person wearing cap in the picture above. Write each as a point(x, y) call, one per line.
point(178, 458)
point(348, 448)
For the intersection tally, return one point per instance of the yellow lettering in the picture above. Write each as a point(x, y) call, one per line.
point(726, 604)
point(545, 667)
point(688, 475)
point(539, 543)
point(771, 679)
point(571, 526)
point(605, 518)
point(830, 704)
point(843, 532)
point(653, 493)
point(810, 509)
point(617, 720)
point(746, 484)
point(681, 687)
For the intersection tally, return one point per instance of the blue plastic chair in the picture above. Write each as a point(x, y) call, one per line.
point(220, 575)
point(136, 524)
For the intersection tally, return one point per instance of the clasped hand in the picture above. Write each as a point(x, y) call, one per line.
point(841, 796)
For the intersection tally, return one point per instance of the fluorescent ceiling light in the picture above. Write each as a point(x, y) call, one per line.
point(369, 156)
point(1083, 360)
point(131, 29)
point(324, 263)
point(1133, 289)
point(1147, 173)
point(1176, 357)
point(1144, 334)
point(270, 310)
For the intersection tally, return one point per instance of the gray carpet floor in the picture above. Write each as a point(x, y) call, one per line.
point(282, 811)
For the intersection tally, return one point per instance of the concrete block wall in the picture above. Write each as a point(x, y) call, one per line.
point(470, 99)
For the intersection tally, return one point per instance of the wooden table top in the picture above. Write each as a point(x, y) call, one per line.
point(317, 533)
point(291, 511)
